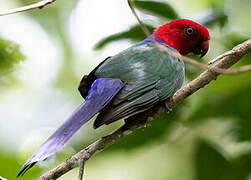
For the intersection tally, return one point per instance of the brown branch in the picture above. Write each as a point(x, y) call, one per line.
point(223, 61)
point(142, 25)
point(40, 5)
point(81, 169)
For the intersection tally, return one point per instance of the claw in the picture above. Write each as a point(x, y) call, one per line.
point(143, 128)
point(168, 109)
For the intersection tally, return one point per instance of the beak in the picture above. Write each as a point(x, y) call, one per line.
point(202, 48)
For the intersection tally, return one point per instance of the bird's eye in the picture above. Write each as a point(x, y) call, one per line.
point(189, 31)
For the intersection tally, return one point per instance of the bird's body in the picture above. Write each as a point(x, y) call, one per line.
point(150, 76)
point(128, 83)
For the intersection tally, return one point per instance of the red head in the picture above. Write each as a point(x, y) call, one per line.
point(185, 36)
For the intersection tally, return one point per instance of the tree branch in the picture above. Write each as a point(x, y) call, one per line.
point(223, 61)
point(81, 169)
point(40, 5)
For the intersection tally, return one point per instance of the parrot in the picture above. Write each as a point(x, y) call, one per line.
point(130, 82)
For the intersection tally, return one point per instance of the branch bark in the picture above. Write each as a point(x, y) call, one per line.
point(81, 170)
point(40, 5)
point(223, 61)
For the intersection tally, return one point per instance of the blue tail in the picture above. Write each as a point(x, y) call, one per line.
point(100, 94)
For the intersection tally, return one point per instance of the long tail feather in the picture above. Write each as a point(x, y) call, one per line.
point(101, 93)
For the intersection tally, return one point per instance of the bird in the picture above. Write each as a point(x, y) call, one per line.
point(130, 82)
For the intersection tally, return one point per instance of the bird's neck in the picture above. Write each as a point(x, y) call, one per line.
point(165, 34)
point(153, 38)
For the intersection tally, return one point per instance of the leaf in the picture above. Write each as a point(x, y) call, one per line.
point(11, 164)
point(157, 8)
point(233, 39)
point(53, 19)
point(215, 17)
point(10, 56)
point(241, 167)
point(134, 33)
point(210, 164)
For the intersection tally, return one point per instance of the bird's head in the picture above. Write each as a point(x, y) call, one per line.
point(185, 36)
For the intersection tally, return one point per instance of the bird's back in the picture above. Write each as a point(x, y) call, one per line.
point(150, 75)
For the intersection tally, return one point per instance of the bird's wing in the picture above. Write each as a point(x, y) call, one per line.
point(150, 77)
point(100, 94)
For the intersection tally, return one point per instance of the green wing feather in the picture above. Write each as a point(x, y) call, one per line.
point(150, 75)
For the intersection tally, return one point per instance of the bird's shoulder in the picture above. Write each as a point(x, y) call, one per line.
point(139, 60)
point(138, 65)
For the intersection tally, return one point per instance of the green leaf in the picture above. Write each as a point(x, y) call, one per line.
point(10, 56)
point(241, 168)
point(134, 33)
point(216, 17)
point(157, 8)
point(233, 39)
point(210, 164)
point(11, 164)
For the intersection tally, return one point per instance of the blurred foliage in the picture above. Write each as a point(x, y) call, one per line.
point(216, 17)
point(134, 33)
point(9, 168)
point(54, 20)
point(238, 100)
point(211, 163)
point(156, 8)
point(186, 138)
point(10, 56)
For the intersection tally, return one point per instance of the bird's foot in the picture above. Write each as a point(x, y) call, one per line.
point(143, 127)
point(168, 109)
